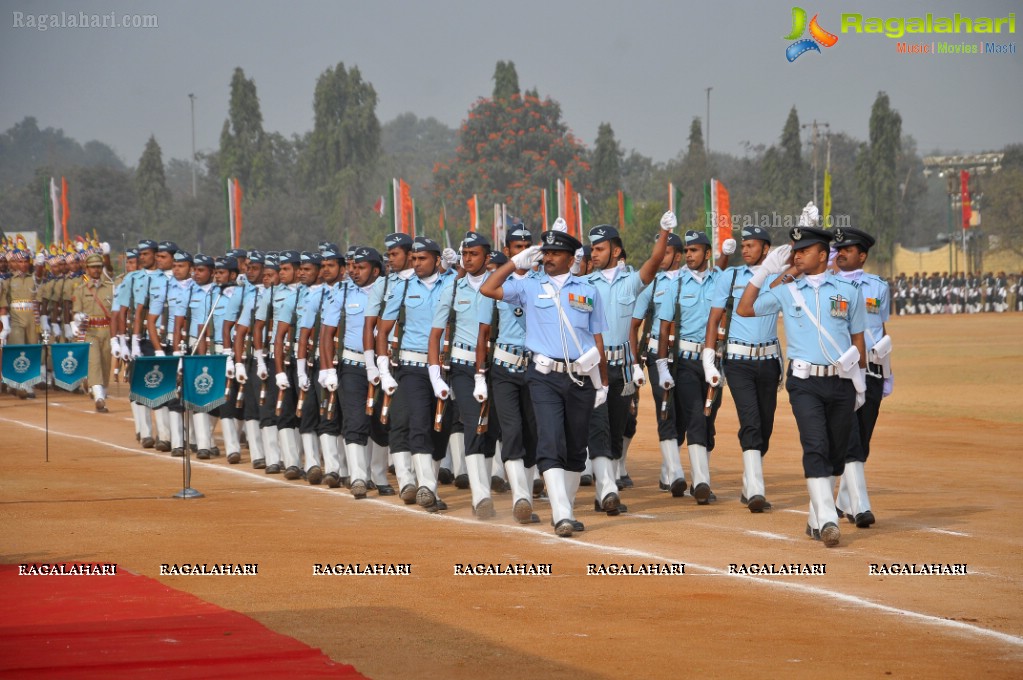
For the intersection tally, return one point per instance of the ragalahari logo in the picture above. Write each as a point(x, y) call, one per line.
point(817, 35)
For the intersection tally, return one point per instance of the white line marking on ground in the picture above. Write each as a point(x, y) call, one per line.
point(948, 532)
point(546, 538)
point(796, 512)
point(768, 534)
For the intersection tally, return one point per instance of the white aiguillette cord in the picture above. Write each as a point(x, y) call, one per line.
point(556, 297)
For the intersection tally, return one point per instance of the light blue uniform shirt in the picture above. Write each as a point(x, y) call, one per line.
point(826, 304)
point(752, 330)
point(354, 301)
point(420, 301)
point(251, 297)
point(199, 308)
point(695, 298)
point(229, 306)
point(657, 289)
point(580, 301)
point(286, 306)
point(313, 304)
point(876, 305)
point(511, 321)
point(159, 290)
point(467, 308)
point(176, 297)
point(619, 299)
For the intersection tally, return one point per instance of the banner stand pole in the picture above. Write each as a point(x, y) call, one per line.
point(46, 397)
point(186, 460)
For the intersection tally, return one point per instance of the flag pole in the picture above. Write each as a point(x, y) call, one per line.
point(46, 397)
point(186, 460)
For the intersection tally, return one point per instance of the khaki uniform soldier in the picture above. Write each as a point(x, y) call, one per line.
point(90, 307)
point(19, 306)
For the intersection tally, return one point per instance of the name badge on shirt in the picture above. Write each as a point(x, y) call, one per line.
point(873, 305)
point(580, 302)
point(839, 307)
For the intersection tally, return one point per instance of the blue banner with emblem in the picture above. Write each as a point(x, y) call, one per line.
point(21, 366)
point(204, 382)
point(70, 364)
point(154, 380)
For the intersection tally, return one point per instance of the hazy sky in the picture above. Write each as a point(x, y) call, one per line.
point(643, 66)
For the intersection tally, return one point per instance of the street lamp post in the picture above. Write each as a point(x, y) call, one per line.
point(708, 120)
point(191, 99)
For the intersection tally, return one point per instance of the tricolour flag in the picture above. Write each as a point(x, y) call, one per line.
point(21, 366)
point(408, 211)
point(964, 185)
point(64, 206)
point(378, 207)
point(624, 210)
point(70, 364)
point(474, 213)
point(721, 215)
point(55, 219)
point(571, 209)
point(154, 380)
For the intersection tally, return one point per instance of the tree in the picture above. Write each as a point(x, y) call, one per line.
point(343, 147)
point(509, 150)
point(151, 186)
point(506, 80)
point(243, 152)
point(1003, 208)
point(876, 176)
point(607, 164)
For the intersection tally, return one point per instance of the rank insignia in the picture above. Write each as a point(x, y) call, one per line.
point(839, 307)
point(517, 311)
point(873, 305)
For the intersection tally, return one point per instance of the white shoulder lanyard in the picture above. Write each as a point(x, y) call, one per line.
point(556, 296)
point(797, 297)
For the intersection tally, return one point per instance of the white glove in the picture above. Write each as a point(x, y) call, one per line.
point(889, 386)
point(328, 379)
point(125, 349)
point(861, 399)
point(303, 379)
point(728, 247)
point(115, 346)
point(6, 321)
point(664, 374)
point(637, 375)
point(601, 396)
point(261, 371)
point(178, 353)
point(440, 388)
point(387, 381)
point(449, 258)
point(859, 381)
point(372, 374)
point(777, 260)
point(229, 369)
point(527, 258)
point(159, 353)
point(55, 329)
point(136, 349)
point(710, 371)
point(668, 221)
point(559, 225)
point(70, 330)
point(479, 392)
point(74, 326)
point(79, 317)
point(44, 322)
point(240, 374)
point(282, 381)
point(577, 263)
point(105, 247)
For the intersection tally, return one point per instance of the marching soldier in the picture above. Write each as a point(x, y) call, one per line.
point(253, 292)
point(344, 321)
point(824, 322)
point(225, 315)
point(20, 305)
point(285, 314)
point(91, 302)
point(618, 288)
point(263, 349)
point(143, 280)
point(456, 320)
point(189, 323)
point(853, 246)
point(644, 316)
point(502, 328)
point(416, 384)
point(567, 376)
point(751, 362)
point(685, 311)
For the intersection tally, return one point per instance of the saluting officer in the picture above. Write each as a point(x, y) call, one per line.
point(751, 363)
point(91, 303)
point(505, 325)
point(824, 322)
point(416, 383)
point(687, 309)
point(567, 377)
point(853, 246)
point(344, 319)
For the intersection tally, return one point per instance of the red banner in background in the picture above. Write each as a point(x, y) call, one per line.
point(964, 186)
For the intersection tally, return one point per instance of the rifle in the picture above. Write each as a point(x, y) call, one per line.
point(720, 345)
point(247, 347)
point(371, 389)
point(445, 358)
point(399, 335)
point(338, 351)
point(675, 330)
point(310, 352)
point(495, 320)
point(648, 320)
point(124, 362)
point(268, 324)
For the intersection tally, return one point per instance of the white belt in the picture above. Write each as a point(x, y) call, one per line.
point(615, 354)
point(24, 305)
point(462, 354)
point(652, 344)
point(822, 371)
point(752, 352)
point(353, 356)
point(515, 360)
point(689, 346)
point(413, 357)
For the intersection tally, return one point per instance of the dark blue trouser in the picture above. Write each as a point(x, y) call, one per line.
point(512, 406)
point(824, 412)
point(754, 388)
point(866, 419)
point(563, 414)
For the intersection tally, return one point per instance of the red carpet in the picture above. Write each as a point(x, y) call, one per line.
point(133, 626)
